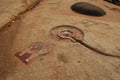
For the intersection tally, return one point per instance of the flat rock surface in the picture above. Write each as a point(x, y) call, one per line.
point(67, 60)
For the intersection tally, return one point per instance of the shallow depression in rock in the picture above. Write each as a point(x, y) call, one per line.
point(87, 9)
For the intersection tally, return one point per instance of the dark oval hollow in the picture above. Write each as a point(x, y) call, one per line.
point(87, 9)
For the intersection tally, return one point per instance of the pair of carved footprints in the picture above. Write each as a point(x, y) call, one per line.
point(34, 50)
point(62, 32)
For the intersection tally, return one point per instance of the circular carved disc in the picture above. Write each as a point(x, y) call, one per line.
point(76, 32)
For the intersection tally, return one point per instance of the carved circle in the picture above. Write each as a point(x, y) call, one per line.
point(76, 32)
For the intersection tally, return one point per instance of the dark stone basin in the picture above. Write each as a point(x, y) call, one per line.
point(87, 9)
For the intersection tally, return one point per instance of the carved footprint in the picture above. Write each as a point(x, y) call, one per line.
point(34, 50)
